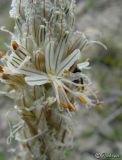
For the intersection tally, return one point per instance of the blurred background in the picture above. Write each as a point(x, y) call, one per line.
point(98, 130)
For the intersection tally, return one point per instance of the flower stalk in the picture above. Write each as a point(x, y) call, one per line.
point(45, 77)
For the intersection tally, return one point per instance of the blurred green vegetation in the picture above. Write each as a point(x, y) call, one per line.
point(6, 21)
point(2, 157)
point(112, 57)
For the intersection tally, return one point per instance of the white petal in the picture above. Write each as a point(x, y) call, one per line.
point(68, 62)
point(60, 50)
point(84, 65)
point(37, 80)
point(26, 60)
point(49, 56)
point(29, 71)
point(98, 43)
point(41, 35)
point(78, 40)
point(14, 61)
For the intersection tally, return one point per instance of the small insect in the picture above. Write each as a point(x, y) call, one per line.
point(80, 80)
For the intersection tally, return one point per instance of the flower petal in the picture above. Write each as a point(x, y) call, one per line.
point(37, 80)
point(49, 56)
point(29, 71)
point(41, 35)
point(78, 40)
point(60, 50)
point(68, 62)
point(15, 62)
point(84, 65)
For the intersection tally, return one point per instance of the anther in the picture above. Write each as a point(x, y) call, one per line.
point(2, 54)
point(14, 45)
point(82, 99)
point(1, 69)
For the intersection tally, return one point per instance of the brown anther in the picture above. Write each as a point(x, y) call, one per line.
point(1, 69)
point(67, 106)
point(14, 45)
point(5, 76)
point(2, 54)
point(72, 107)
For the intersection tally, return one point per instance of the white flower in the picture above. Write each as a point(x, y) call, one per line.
point(58, 74)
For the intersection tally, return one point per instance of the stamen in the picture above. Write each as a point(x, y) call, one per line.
point(14, 45)
point(2, 54)
point(83, 100)
point(1, 69)
point(67, 106)
point(5, 76)
point(72, 107)
point(65, 72)
point(63, 104)
point(50, 72)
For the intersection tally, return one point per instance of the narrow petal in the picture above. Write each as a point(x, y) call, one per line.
point(13, 61)
point(98, 43)
point(41, 35)
point(37, 80)
point(52, 56)
point(84, 65)
point(34, 28)
point(20, 51)
point(49, 57)
point(29, 44)
point(29, 71)
point(60, 50)
point(68, 62)
point(79, 41)
point(18, 57)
